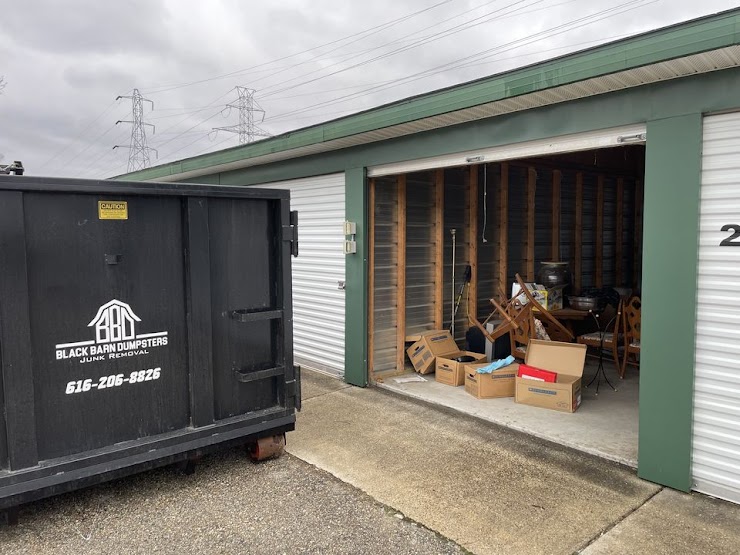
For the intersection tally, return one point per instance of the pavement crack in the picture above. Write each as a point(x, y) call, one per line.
point(323, 394)
point(624, 517)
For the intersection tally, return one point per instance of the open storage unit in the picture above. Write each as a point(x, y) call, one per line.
point(581, 207)
point(139, 326)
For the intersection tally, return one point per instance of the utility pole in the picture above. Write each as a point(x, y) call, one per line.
point(138, 154)
point(248, 107)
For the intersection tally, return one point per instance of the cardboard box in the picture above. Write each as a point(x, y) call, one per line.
point(500, 383)
point(567, 360)
point(430, 345)
point(550, 299)
point(450, 372)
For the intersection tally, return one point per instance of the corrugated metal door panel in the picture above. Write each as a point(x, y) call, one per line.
point(716, 429)
point(420, 210)
point(318, 303)
point(386, 262)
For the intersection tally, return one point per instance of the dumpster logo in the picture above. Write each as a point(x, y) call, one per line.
point(115, 336)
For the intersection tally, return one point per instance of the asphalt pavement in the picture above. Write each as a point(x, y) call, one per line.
point(230, 505)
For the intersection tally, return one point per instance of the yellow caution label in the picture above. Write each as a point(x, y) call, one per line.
point(112, 210)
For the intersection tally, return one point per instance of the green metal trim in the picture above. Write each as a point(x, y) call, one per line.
point(355, 322)
point(670, 257)
point(701, 35)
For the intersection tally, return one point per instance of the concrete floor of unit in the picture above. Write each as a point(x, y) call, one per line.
point(605, 425)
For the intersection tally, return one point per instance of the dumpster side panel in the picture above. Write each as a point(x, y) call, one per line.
point(107, 321)
point(244, 253)
point(140, 325)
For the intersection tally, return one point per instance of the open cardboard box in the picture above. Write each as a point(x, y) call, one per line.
point(450, 372)
point(499, 383)
point(567, 359)
point(430, 345)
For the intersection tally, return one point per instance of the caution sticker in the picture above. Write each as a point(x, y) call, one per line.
point(112, 210)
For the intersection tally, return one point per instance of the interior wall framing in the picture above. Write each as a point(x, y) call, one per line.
point(514, 201)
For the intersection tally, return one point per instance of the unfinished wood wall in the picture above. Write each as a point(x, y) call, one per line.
point(528, 213)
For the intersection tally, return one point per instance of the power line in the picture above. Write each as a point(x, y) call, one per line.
point(468, 60)
point(370, 30)
point(82, 131)
point(553, 31)
point(480, 20)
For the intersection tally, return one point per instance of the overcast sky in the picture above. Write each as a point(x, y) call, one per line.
point(64, 63)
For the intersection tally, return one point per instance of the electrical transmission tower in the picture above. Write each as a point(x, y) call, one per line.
point(247, 126)
point(138, 154)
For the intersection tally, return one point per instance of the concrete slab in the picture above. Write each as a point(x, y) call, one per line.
point(672, 523)
point(481, 485)
point(229, 505)
point(315, 384)
point(605, 425)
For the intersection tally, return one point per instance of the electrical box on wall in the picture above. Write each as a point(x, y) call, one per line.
point(350, 232)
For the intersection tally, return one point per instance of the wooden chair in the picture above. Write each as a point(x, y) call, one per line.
point(612, 338)
point(525, 331)
point(518, 321)
point(631, 322)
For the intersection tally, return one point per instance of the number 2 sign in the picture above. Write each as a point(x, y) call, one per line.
point(731, 241)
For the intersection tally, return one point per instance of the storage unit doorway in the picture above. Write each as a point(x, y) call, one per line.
point(575, 199)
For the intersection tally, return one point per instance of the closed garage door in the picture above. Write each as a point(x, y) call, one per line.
point(716, 431)
point(318, 303)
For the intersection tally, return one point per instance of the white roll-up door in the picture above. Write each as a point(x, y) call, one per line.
point(318, 302)
point(589, 140)
point(716, 429)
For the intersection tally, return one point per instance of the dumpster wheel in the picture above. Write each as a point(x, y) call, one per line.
point(267, 448)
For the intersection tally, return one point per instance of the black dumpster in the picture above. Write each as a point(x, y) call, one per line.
point(141, 324)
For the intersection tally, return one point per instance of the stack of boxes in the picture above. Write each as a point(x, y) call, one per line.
point(549, 378)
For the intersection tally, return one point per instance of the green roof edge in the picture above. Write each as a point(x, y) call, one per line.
point(683, 39)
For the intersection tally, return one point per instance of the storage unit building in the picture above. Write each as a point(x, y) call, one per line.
point(656, 116)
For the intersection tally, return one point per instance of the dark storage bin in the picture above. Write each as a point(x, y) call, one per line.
point(140, 324)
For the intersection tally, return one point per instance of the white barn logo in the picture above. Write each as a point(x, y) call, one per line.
point(115, 326)
point(115, 321)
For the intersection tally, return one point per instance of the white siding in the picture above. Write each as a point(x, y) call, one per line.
point(716, 430)
point(318, 303)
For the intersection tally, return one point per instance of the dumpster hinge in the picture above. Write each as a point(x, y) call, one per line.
point(293, 388)
point(290, 233)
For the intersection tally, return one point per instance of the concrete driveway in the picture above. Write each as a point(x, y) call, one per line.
point(493, 490)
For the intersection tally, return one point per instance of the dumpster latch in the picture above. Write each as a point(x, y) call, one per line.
point(290, 233)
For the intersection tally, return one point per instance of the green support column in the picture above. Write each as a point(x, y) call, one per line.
point(355, 334)
point(670, 253)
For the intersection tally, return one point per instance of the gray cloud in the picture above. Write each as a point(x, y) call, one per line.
point(65, 62)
